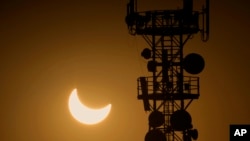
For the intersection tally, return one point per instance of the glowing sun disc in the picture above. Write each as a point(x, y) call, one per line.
point(84, 114)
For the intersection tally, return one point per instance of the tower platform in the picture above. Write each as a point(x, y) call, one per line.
point(163, 22)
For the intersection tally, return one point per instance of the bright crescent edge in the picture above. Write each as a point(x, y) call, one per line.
point(86, 114)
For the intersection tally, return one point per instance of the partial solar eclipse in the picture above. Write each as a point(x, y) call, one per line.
point(84, 114)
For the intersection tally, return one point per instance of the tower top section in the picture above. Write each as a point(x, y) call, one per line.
point(185, 20)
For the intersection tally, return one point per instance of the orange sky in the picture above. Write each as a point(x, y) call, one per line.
point(49, 48)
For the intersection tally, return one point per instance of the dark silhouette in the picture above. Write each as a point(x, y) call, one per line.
point(168, 92)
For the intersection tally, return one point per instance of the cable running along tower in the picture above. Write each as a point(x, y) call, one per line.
point(168, 92)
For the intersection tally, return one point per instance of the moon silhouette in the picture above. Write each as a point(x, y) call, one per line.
point(84, 114)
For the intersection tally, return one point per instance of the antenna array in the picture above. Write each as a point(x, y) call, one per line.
point(167, 93)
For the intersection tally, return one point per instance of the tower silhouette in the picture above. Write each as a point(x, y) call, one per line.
point(168, 92)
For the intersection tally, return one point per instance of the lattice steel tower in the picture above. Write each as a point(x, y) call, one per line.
point(168, 92)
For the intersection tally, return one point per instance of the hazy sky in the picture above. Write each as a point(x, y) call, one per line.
point(49, 48)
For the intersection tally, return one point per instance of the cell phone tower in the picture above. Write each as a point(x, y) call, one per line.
point(168, 92)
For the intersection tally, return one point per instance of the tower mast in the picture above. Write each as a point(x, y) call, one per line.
point(168, 92)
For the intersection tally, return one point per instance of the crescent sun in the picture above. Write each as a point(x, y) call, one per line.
point(84, 114)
